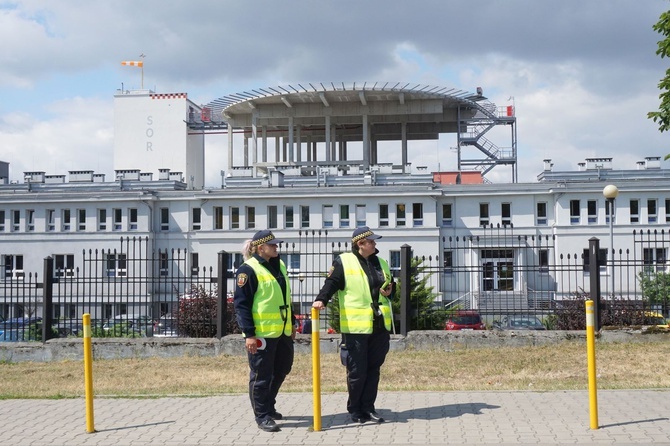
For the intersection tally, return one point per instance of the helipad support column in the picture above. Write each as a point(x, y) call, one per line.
point(254, 138)
point(333, 143)
point(298, 143)
point(403, 133)
point(291, 145)
point(264, 137)
point(327, 135)
point(230, 146)
point(277, 144)
point(246, 151)
point(366, 142)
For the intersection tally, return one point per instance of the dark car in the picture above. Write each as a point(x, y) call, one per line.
point(465, 320)
point(519, 322)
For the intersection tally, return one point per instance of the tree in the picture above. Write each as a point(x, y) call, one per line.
point(662, 115)
point(424, 314)
point(196, 314)
point(655, 287)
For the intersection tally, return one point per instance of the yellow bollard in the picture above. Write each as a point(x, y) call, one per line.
point(88, 373)
point(316, 370)
point(591, 354)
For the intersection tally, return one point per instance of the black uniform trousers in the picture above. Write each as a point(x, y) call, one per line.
point(268, 369)
point(363, 355)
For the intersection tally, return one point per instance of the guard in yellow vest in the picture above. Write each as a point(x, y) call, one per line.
point(363, 283)
point(263, 307)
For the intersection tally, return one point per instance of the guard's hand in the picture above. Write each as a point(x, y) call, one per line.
point(386, 292)
point(318, 305)
point(294, 331)
point(251, 344)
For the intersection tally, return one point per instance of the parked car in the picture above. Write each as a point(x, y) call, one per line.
point(465, 320)
point(166, 327)
point(519, 322)
point(68, 327)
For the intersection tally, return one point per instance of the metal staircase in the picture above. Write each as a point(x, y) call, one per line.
point(488, 117)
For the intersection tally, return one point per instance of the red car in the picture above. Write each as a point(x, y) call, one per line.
point(465, 320)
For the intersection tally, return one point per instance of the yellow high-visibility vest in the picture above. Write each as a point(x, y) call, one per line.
point(356, 312)
point(272, 316)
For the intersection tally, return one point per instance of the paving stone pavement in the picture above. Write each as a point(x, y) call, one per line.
point(413, 418)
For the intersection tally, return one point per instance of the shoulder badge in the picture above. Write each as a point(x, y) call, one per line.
point(330, 271)
point(242, 279)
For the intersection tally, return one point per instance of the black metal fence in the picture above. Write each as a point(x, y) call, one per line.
point(133, 290)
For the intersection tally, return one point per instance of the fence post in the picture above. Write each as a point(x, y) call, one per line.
point(222, 297)
point(594, 275)
point(405, 289)
point(47, 298)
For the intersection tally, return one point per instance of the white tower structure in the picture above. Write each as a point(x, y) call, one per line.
point(151, 134)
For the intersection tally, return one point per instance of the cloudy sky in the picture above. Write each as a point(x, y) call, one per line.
point(582, 74)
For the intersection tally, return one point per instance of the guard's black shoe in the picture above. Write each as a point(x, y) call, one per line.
point(276, 415)
point(360, 418)
point(375, 417)
point(268, 426)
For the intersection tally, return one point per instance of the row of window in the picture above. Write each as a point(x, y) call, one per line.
point(498, 264)
point(299, 216)
point(633, 207)
point(68, 221)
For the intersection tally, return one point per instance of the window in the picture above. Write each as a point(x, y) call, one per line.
point(196, 219)
point(116, 265)
point(102, 219)
point(272, 217)
point(667, 212)
point(328, 216)
point(2, 221)
point(165, 219)
point(117, 216)
point(417, 214)
point(448, 262)
point(288, 216)
point(132, 219)
point(651, 211)
point(383, 215)
point(543, 260)
point(400, 215)
point(13, 266)
point(574, 212)
point(163, 263)
point(235, 260)
point(394, 263)
point(16, 221)
point(234, 218)
point(541, 214)
point(66, 218)
point(30, 220)
point(592, 211)
point(64, 265)
point(506, 214)
point(218, 217)
point(654, 259)
point(447, 218)
point(195, 264)
point(304, 216)
point(344, 216)
point(634, 211)
point(361, 215)
point(602, 256)
point(484, 214)
point(81, 219)
point(251, 217)
point(292, 262)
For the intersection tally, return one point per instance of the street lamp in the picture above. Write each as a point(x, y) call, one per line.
point(610, 192)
